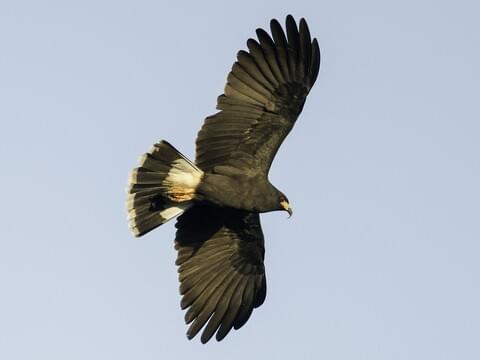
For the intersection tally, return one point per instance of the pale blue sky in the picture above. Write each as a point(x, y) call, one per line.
point(381, 257)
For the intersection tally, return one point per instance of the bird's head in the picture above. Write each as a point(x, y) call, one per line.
point(285, 205)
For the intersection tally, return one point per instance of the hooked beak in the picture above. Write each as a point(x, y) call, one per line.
point(286, 206)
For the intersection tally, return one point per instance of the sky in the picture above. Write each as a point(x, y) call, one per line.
point(380, 259)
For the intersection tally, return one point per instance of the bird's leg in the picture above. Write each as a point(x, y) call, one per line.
point(179, 194)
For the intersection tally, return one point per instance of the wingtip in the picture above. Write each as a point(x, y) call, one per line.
point(290, 23)
point(204, 338)
point(275, 22)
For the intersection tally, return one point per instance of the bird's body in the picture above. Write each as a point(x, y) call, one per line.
point(219, 238)
point(250, 192)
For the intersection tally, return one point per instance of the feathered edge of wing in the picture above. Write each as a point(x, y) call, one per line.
point(264, 95)
point(221, 271)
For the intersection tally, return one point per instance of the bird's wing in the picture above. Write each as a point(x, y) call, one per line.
point(221, 271)
point(264, 95)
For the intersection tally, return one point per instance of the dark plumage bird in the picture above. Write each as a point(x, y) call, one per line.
point(219, 238)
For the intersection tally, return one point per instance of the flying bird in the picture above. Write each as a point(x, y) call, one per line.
point(219, 238)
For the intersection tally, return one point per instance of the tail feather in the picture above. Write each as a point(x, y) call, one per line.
point(161, 188)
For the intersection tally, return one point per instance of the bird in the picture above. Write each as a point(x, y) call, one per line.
point(218, 198)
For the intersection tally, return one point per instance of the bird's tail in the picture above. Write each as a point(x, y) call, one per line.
point(161, 188)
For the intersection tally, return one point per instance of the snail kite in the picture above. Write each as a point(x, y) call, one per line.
point(219, 238)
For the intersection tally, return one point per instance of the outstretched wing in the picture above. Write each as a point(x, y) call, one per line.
point(264, 95)
point(221, 271)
